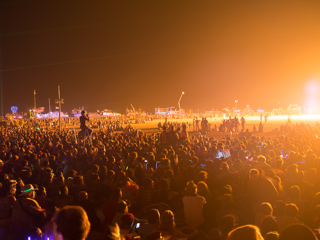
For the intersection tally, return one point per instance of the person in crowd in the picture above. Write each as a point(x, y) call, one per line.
point(203, 190)
point(248, 232)
point(7, 200)
point(26, 213)
point(153, 221)
point(130, 190)
point(127, 230)
point(260, 127)
point(291, 212)
point(173, 137)
point(269, 224)
point(146, 193)
point(121, 209)
point(184, 136)
point(87, 205)
point(265, 210)
point(279, 208)
point(262, 163)
point(83, 119)
point(110, 208)
point(89, 174)
point(168, 227)
point(297, 232)
point(293, 196)
point(63, 199)
point(42, 199)
point(35, 234)
point(72, 223)
point(243, 121)
point(164, 136)
point(227, 224)
point(193, 206)
point(260, 188)
point(149, 172)
point(273, 235)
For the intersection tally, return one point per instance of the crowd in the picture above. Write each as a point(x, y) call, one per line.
point(116, 123)
point(167, 185)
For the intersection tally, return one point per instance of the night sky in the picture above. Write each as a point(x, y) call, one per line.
point(113, 53)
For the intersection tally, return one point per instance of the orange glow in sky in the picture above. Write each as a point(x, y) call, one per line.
point(108, 54)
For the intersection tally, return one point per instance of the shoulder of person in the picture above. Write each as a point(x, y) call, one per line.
point(178, 234)
point(29, 202)
point(202, 198)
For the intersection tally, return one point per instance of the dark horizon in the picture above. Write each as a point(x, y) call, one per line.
point(108, 54)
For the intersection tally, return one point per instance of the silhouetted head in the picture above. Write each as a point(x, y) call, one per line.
point(297, 232)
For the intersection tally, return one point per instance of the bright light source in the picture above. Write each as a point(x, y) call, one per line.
point(311, 102)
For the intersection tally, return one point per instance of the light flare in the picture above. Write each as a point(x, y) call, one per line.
point(311, 102)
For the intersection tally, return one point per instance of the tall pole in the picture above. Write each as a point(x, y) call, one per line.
point(179, 102)
point(49, 106)
point(59, 101)
point(59, 108)
point(1, 73)
point(1, 93)
point(34, 101)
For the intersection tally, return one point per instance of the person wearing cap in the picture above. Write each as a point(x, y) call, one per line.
point(7, 199)
point(26, 213)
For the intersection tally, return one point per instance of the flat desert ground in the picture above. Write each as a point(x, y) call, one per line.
point(271, 128)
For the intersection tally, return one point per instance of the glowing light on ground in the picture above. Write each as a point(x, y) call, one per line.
point(296, 117)
point(285, 117)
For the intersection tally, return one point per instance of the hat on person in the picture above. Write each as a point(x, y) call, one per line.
point(26, 189)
